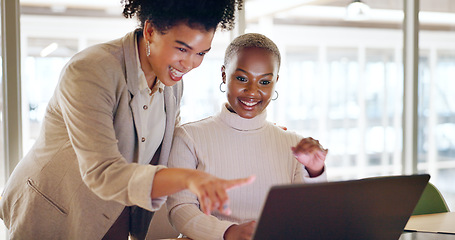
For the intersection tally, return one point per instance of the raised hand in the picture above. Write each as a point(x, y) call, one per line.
point(240, 232)
point(311, 154)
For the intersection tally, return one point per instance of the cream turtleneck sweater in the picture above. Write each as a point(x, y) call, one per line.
point(229, 146)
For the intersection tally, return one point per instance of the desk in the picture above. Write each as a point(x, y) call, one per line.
point(426, 236)
point(436, 223)
point(404, 236)
point(438, 226)
point(175, 239)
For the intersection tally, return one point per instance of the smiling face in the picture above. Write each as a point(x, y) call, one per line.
point(251, 76)
point(174, 52)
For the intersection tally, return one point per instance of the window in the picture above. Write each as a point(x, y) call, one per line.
point(436, 136)
point(342, 80)
point(52, 33)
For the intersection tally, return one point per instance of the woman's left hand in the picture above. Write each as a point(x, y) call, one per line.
point(311, 154)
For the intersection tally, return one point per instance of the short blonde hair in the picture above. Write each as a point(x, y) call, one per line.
point(251, 40)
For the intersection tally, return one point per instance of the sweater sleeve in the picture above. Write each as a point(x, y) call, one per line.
point(301, 175)
point(184, 212)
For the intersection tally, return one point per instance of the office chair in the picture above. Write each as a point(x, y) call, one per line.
point(431, 201)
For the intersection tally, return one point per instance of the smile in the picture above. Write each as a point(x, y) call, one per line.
point(176, 73)
point(249, 104)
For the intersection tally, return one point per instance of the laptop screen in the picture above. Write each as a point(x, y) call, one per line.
point(370, 208)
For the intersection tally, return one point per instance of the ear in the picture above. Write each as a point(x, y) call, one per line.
point(148, 31)
point(223, 73)
point(277, 77)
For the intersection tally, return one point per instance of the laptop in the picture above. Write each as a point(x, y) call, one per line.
point(369, 208)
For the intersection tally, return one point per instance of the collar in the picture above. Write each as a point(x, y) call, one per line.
point(159, 86)
point(242, 124)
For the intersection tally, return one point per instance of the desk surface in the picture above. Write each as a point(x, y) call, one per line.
point(425, 227)
point(437, 223)
point(426, 236)
point(404, 236)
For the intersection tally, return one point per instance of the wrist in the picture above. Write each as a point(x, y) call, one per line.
point(315, 173)
point(228, 231)
point(188, 177)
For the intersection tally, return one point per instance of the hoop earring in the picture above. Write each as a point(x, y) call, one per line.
point(223, 91)
point(273, 99)
point(147, 49)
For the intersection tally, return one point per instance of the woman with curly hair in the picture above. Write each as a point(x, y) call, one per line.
point(97, 169)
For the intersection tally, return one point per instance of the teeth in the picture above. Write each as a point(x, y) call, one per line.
point(175, 72)
point(249, 104)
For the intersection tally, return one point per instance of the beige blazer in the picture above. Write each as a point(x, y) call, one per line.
point(84, 167)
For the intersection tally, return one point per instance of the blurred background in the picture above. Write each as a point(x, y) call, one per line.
point(341, 78)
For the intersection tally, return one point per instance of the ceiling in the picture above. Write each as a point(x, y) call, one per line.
point(435, 14)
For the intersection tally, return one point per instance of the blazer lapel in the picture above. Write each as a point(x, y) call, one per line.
point(134, 105)
point(132, 82)
point(169, 107)
point(131, 75)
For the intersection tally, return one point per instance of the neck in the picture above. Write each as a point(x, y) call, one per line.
point(146, 67)
point(228, 106)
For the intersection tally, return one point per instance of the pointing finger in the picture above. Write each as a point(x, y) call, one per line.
point(239, 182)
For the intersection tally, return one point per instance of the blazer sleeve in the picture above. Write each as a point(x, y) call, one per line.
point(88, 94)
point(184, 212)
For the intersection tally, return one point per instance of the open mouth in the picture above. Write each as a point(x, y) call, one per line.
point(175, 74)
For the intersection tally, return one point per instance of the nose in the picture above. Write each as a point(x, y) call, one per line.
point(251, 88)
point(186, 63)
point(189, 62)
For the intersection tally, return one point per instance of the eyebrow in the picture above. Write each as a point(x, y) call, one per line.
point(263, 75)
point(188, 46)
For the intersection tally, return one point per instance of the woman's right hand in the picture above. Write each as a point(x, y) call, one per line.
point(240, 232)
point(212, 191)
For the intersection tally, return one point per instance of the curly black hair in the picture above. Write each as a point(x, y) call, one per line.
point(164, 14)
